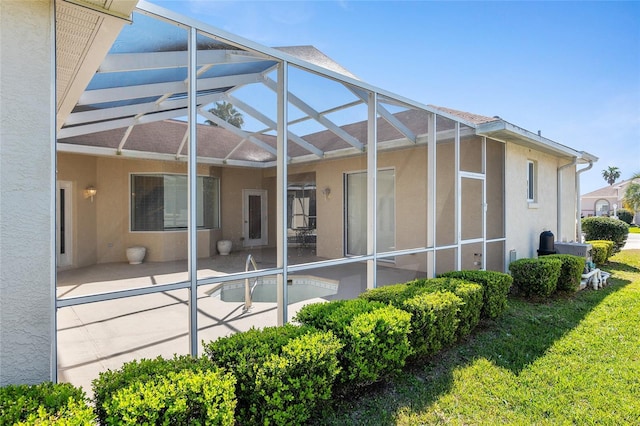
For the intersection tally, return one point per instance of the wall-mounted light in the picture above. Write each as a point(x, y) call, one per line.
point(90, 192)
point(326, 192)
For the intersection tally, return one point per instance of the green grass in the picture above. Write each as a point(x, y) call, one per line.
point(634, 229)
point(574, 359)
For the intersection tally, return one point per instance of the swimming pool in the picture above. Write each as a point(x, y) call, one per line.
point(300, 287)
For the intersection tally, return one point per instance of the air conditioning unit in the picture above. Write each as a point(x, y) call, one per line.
point(576, 249)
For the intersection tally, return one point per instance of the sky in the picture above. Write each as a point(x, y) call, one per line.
point(570, 70)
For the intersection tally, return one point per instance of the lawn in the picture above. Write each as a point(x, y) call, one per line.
point(574, 359)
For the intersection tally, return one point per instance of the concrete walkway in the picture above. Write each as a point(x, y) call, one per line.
point(633, 242)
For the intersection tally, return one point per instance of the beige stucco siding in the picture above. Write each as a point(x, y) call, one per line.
point(524, 220)
point(26, 196)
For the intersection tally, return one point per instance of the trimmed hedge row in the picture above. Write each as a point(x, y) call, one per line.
point(536, 277)
point(571, 270)
point(276, 375)
point(375, 338)
point(496, 288)
point(44, 404)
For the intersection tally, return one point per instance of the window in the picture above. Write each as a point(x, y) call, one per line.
point(159, 202)
point(531, 181)
point(602, 208)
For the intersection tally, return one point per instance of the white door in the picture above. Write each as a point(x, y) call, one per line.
point(64, 231)
point(254, 212)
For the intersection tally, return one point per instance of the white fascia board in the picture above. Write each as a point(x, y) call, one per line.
point(280, 56)
point(505, 131)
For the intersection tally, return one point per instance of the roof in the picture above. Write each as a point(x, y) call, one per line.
point(138, 75)
point(610, 191)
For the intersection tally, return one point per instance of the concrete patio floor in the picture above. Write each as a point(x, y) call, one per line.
point(99, 336)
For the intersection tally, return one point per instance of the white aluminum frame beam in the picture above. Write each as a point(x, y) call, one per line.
point(124, 62)
point(239, 132)
point(311, 112)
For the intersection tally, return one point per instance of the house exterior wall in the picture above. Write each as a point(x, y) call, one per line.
point(526, 221)
point(26, 196)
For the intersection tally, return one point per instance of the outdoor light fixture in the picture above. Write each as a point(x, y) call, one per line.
point(327, 193)
point(90, 192)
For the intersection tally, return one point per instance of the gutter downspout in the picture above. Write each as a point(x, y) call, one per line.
point(578, 204)
point(559, 196)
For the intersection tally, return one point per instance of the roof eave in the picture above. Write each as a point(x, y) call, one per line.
point(507, 132)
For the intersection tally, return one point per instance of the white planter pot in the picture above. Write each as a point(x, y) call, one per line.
point(135, 255)
point(224, 247)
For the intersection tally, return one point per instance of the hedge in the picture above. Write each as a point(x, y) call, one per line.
point(470, 293)
point(45, 404)
point(570, 271)
point(243, 354)
point(601, 251)
point(177, 398)
point(375, 337)
point(111, 381)
point(434, 321)
point(606, 228)
point(296, 382)
point(496, 288)
point(537, 277)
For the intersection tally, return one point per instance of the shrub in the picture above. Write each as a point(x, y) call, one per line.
point(570, 271)
point(496, 288)
point(393, 294)
point(334, 315)
point(243, 354)
point(606, 228)
point(537, 277)
point(375, 336)
point(625, 216)
point(296, 382)
point(109, 382)
point(45, 403)
point(434, 321)
point(470, 293)
point(601, 251)
point(177, 398)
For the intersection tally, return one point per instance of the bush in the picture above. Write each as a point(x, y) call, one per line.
point(601, 251)
point(44, 404)
point(570, 271)
point(393, 294)
point(625, 215)
point(434, 321)
point(606, 228)
point(177, 398)
point(496, 288)
point(109, 382)
point(470, 293)
point(296, 382)
point(243, 354)
point(375, 336)
point(537, 277)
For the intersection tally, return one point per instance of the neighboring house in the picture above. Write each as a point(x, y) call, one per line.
point(117, 154)
point(604, 201)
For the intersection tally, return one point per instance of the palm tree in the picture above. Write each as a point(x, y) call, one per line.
point(631, 197)
point(228, 113)
point(611, 174)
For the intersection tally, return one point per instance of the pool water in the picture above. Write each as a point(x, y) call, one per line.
point(300, 288)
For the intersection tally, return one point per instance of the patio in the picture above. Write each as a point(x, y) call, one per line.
point(103, 335)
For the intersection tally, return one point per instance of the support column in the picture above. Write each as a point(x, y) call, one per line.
point(27, 182)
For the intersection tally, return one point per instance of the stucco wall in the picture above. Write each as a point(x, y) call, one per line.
point(525, 221)
point(25, 192)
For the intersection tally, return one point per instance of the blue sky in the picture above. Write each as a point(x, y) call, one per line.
point(568, 69)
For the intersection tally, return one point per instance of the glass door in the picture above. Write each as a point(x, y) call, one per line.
point(255, 217)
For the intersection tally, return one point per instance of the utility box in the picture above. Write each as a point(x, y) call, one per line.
point(576, 249)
